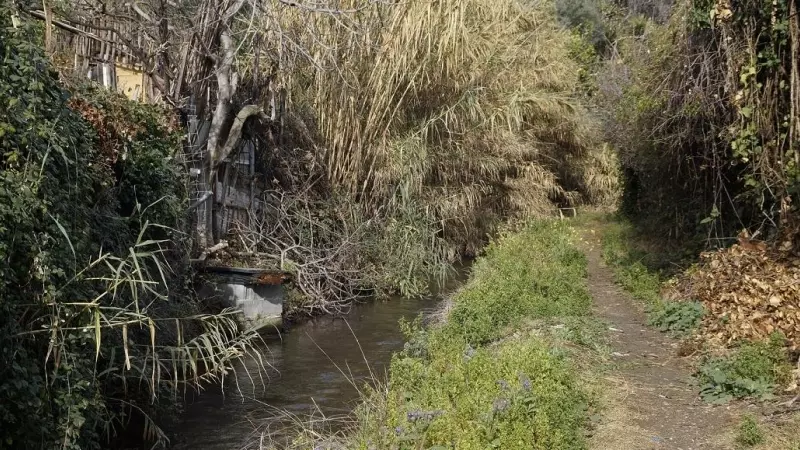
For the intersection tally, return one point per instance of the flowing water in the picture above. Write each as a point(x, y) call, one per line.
point(312, 368)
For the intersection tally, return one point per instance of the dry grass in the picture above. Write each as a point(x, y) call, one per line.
point(781, 432)
point(602, 177)
point(619, 429)
point(461, 107)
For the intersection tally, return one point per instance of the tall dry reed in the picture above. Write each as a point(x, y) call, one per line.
point(462, 108)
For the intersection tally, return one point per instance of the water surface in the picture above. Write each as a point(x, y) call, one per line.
point(313, 369)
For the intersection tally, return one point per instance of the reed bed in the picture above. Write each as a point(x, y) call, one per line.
point(462, 109)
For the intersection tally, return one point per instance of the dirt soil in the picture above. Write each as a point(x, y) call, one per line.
point(652, 402)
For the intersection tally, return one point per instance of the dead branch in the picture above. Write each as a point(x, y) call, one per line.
point(323, 256)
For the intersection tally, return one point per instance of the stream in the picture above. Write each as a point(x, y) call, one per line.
point(305, 374)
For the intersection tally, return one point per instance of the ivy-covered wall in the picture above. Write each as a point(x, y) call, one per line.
point(80, 176)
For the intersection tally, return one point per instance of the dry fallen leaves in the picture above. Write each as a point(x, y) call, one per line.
point(748, 290)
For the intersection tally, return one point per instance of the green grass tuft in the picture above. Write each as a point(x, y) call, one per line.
point(749, 433)
point(535, 273)
point(629, 269)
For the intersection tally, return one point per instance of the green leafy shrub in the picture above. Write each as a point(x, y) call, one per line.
point(586, 17)
point(47, 184)
point(676, 317)
point(91, 285)
point(755, 369)
point(140, 143)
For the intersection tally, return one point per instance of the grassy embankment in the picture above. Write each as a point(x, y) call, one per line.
point(504, 367)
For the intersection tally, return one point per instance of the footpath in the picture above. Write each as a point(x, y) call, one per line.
point(654, 402)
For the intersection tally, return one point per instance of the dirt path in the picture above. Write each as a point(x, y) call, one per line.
point(654, 402)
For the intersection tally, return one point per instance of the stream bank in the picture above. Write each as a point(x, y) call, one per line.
point(540, 349)
point(507, 367)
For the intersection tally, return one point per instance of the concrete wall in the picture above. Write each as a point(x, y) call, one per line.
point(261, 305)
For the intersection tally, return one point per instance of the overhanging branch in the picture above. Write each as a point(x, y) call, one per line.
point(235, 133)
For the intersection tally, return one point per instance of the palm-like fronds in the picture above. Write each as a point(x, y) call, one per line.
point(146, 342)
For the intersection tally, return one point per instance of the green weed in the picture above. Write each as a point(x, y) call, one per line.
point(518, 395)
point(534, 273)
point(753, 370)
point(749, 433)
point(676, 317)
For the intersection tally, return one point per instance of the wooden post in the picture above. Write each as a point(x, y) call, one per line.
point(48, 28)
